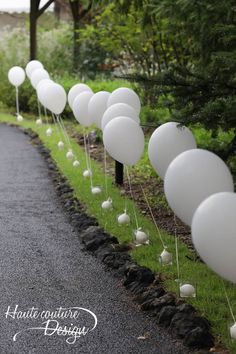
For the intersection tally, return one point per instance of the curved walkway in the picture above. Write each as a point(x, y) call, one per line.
point(42, 266)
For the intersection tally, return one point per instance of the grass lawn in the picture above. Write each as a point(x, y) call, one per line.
point(210, 299)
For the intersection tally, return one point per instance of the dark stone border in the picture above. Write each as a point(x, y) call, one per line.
point(179, 318)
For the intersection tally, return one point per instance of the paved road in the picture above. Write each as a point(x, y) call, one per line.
point(42, 266)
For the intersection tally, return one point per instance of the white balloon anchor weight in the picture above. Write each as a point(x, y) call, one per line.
point(96, 190)
point(76, 163)
point(123, 219)
point(187, 290)
point(165, 257)
point(141, 237)
point(60, 145)
point(87, 173)
point(107, 204)
point(39, 122)
point(70, 155)
point(233, 331)
point(49, 132)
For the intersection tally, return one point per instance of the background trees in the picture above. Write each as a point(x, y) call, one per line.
point(179, 54)
point(181, 50)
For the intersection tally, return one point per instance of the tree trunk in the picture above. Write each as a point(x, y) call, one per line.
point(76, 45)
point(57, 10)
point(33, 28)
point(78, 13)
point(75, 7)
point(35, 12)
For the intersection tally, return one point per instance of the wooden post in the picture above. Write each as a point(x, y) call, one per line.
point(119, 173)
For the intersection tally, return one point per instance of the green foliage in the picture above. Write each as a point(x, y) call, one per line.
point(202, 78)
point(130, 46)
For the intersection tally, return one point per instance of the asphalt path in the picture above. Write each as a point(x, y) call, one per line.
point(46, 278)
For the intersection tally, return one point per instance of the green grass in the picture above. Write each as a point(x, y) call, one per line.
point(210, 298)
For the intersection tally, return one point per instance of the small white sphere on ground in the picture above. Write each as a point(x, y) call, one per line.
point(96, 190)
point(76, 163)
point(39, 122)
point(165, 257)
point(233, 331)
point(87, 173)
point(107, 204)
point(187, 290)
point(123, 219)
point(49, 132)
point(70, 155)
point(19, 118)
point(60, 145)
point(141, 237)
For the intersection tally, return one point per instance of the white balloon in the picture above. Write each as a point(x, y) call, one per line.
point(97, 106)
point(213, 233)
point(16, 76)
point(193, 176)
point(42, 83)
point(125, 95)
point(53, 97)
point(31, 66)
point(80, 108)
point(41, 90)
point(124, 140)
point(75, 91)
point(38, 75)
point(166, 143)
point(119, 110)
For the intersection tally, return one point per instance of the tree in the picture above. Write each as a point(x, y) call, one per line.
point(204, 89)
point(35, 13)
point(133, 40)
point(79, 11)
point(200, 78)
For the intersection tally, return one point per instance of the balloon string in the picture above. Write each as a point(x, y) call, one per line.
point(57, 128)
point(86, 151)
point(89, 162)
point(177, 251)
point(39, 109)
point(46, 116)
point(151, 213)
point(63, 132)
point(17, 102)
point(227, 298)
point(105, 172)
point(131, 192)
point(64, 129)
